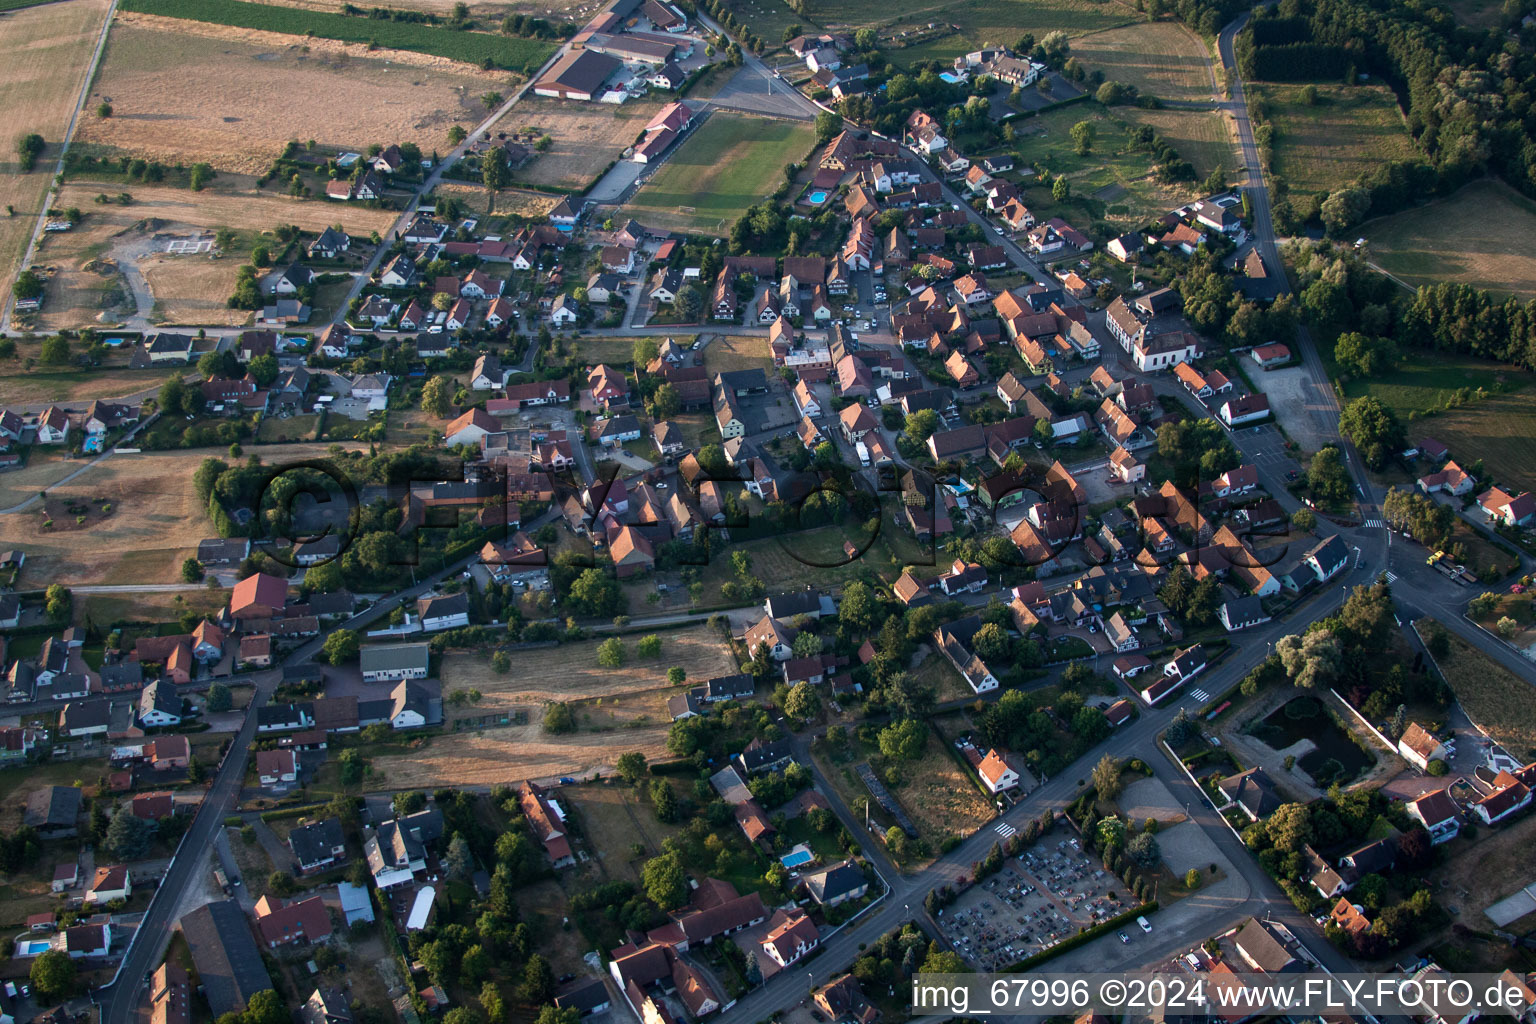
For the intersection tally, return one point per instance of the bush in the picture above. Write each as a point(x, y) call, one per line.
point(1437, 767)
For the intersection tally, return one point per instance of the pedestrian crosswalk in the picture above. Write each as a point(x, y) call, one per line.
point(1004, 829)
point(1391, 578)
point(1374, 524)
point(1200, 695)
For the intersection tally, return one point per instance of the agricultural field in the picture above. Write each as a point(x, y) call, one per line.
point(725, 166)
point(255, 94)
point(1350, 131)
point(89, 286)
point(48, 49)
point(481, 12)
point(585, 137)
point(474, 48)
point(1489, 251)
point(42, 384)
point(1163, 59)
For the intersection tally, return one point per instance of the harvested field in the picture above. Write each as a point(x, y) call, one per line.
point(519, 201)
point(1492, 696)
point(979, 24)
point(1163, 59)
point(577, 11)
point(586, 137)
point(725, 166)
point(490, 49)
point(255, 94)
point(89, 287)
point(47, 51)
point(1351, 131)
point(1490, 253)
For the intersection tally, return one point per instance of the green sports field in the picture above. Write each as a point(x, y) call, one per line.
point(729, 163)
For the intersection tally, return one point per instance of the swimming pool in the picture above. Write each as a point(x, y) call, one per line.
point(33, 947)
point(799, 855)
point(816, 198)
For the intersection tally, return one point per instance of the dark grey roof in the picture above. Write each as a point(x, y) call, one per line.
point(585, 996)
point(53, 807)
point(836, 882)
point(84, 716)
point(1261, 948)
point(314, 843)
point(442, 606)
point(798, 602)
point(161, 696)
point(759, 754)
point(412, 695)
point(722, 687)
point(226, 956)
point(124, 673)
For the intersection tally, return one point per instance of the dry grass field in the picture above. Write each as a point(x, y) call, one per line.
point(1348, 133)
point(586, 137)
point(155, 524)
point(523, 202)
point(722, 355)
point(1489, 252)
point(562, 10)
point(1492, 696)
point(1203, 137)
point(47, 50)
point(616, 710)
point(196, 285)
point(939, 796)
point(1164, 59)
point(612, 817)
point(255, 91)
point(18, 386)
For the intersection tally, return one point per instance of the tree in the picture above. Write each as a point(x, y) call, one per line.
point(665, 402)
point(538, 980)
point(558, 1015)
point(493, 172)
point(1364, 356)
point(828, 124)
point(1192, 878)
point(437, 396)
point(191, 570)
point(676, 675)
point(921, 424)
point(1327, 477)
point(904, 740)
point(1082, 137)
point(219, 698)
point(57, 601)
point(28, 285)
point(610, 653)
point(1290, 827)
point(688, 303)
point(1061, 190)
point(340, 647)
point(1508, 627)
point(631, 766)
point(802, 701)
point(53, 975)
point(1345, 208)
point(129, 836)
point(1310, 660)
point(501, 662)
point(28, 149)
point(753, 971)
point(1373, 428)
point(1106, 777)
point(1304, 519)
point(1143, 849)
point(1111, 833)
point(558, 719)
point(649, 646)
point(1110, 94)
point(665, 882)
point(458, 861)
point(54, 351)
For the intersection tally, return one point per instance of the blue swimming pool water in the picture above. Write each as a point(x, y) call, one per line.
point(795, 859)
point(33, 947)
point(816, 198)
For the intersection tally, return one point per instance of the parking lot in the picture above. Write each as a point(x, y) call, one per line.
point(1039, 898)
point(1264, 446)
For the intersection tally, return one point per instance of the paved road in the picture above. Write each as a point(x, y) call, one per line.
point(119, 1000)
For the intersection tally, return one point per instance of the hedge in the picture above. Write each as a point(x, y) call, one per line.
point(291, 812)
point(1081, 938)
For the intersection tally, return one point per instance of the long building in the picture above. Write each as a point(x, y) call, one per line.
point(579, 75)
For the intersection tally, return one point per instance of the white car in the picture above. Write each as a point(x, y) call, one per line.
point(1144, 925)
